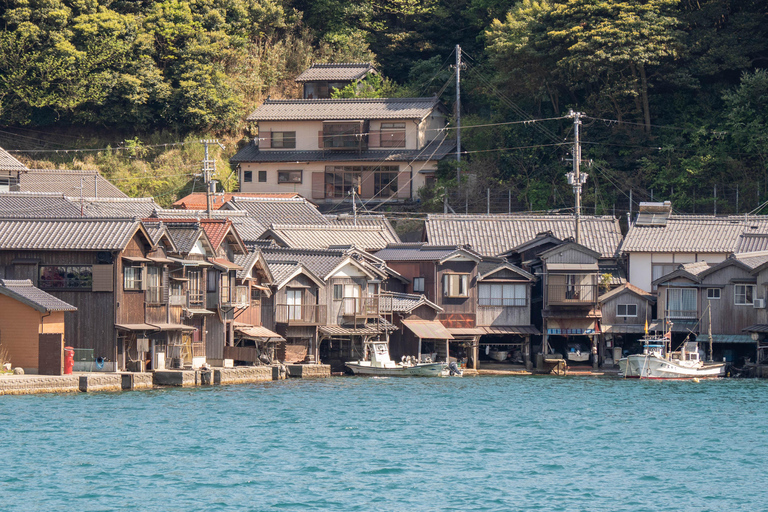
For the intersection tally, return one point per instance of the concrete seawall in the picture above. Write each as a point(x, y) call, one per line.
point(111, 382)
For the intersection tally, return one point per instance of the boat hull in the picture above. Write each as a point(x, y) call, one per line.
point(642, 366)
point(420, 370)
point(498, 355)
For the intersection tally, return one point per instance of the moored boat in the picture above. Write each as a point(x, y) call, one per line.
point(657, 362)
point(380, 364)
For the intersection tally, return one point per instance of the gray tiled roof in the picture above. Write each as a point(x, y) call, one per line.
point(435, 150)
point(319, 262)
point(344, 109)
point(184, 236)
point(348, 220)
point(696, 233)
point(36, 205)
point(752, 259)
point(494, 235)
point(246, 261)
point(486, 267)
point(9, 163)
point(248, 228)
point(417, 252)
point(279, 211)
point(336, 71)
point(23, 291)
point(320, 237)
point(140, 207)
point(69, 234)
point(67, 183)
point(405, 302)
point(751, 242)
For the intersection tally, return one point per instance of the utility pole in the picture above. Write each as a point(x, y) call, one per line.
point(576, 178)
point(209, 167)
point(458, 118)
point(354, 205)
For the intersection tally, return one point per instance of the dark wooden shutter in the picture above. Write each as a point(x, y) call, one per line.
point(403, 185)
point(318, 185)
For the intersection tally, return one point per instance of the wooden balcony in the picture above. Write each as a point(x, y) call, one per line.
point(360, 307)
point(197, 299)
point(572, 294)
point(179, 300)
point(301, 314)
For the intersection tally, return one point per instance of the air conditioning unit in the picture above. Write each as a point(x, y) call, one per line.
point(759, 304)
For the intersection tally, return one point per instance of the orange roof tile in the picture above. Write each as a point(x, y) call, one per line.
point(198, 201)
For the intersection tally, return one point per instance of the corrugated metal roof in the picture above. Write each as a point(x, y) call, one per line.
point(69, 234)
point(516, 329)
point(494, 235)
point(335, 71)
point(9, 163)
point(728, 338)
point(337, 330)
point(23, 291)
point(436, 149)
point(68, 183)
point(404, 302)
point(257, 332)
point(319, 236)
point(695, 233)
point(344, 109)
point(429, 329)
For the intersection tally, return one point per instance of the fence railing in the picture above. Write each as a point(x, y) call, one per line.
point(571, 293)
point(360, 306)
point(680, 313)
point(300, 314)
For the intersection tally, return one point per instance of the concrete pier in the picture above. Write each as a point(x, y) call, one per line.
point(178, 378)
point(33, 384)
point(248, 375)
point(308, 371)
point(101, 382)
point(135, 381)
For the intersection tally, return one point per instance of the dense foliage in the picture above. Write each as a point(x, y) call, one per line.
point(676, 91)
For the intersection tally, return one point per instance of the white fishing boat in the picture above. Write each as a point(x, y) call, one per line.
point(657, 362)
point(576, 354)
point(498, 355)
point(380, 364)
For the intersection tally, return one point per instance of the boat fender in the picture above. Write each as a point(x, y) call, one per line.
point(100, 363)
point(487, 349)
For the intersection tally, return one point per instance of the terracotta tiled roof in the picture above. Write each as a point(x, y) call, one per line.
point(344, 109)
point(24, 291)
point(338, 71)
point(495, 235)
point(198, 201)
point(699, 233)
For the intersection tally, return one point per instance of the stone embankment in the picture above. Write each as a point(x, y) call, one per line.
point(102, 382)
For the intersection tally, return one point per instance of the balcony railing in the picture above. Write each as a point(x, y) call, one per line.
point(491, 302)
point(680, 313)
point(242, 297)
point(178, 300)
point(361, 307)
point(571, 294)
point(196, 298)
point(300, 314)
point(154, 295)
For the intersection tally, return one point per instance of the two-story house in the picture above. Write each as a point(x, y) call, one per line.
point(659, 241)
point(92, 265)
point(627, 311)
point(717, 305)
point(325, 303)
point(570, 310)
point(384, 149)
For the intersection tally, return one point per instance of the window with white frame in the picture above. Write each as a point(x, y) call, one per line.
point(418, 284)
point(744, 294)
point(626, 309)
point(713, 293)
point(681, 303)
point(132, 278)
point(502, 294)
point(456, 285)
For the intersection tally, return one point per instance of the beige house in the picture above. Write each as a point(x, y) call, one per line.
point(384, 149)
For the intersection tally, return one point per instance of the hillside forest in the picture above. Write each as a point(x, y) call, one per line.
point(674, 92)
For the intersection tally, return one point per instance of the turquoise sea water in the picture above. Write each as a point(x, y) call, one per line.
point(359, 444)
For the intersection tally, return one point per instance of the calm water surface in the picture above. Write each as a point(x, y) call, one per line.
point(363, 444)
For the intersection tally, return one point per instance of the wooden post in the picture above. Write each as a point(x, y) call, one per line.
point(475, 352)
point(595, 355)
point(419, 355)
point(447, 351)
point(527, 352)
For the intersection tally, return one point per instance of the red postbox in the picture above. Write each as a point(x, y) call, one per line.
point(69, 360)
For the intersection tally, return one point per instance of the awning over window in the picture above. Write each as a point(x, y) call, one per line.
point(136, 327)
point(624, 329)
point(223, 264)
point(199, 311)
point(257, 332)
point(159, 259)
point(174, 327)
point(136, 259)
point(572, 267)
point(517, 329)
point(428, 329)
point(726, 338)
